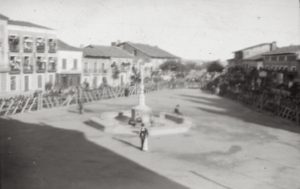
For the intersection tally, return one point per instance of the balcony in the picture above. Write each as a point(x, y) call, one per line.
point(40, 67)
point(27, 68)
point(52, 67)
point(52, 46)
point(14, 44)
point(40, 45)
point(52, 64)
point(28, 45)
point(14, 67)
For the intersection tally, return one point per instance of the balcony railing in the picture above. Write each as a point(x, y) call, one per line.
point(14, 44)
point(27, 69)
point(41, 67)
point(14, 48)
point(28, 49)
point(40, 49)
point(52, 46)
point(52, 67)
point(14, 70)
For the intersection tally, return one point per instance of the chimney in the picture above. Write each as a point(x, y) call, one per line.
point(115, 43)
point(273, 46)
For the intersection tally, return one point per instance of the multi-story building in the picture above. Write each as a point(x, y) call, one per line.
point(252, 56)
point(69, 65)
point(153, 54)
point(106, 65)
point(27, 56)
point(284, 58)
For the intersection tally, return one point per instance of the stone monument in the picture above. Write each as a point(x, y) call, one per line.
point(141, 111)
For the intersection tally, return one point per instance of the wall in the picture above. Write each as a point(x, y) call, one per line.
point(69, 56)
point(256, 50)
point(91, 74)
point(277, 61)
point(33, 77)
point(124, 73)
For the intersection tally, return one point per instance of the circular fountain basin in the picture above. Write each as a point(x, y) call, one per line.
point(162, 123)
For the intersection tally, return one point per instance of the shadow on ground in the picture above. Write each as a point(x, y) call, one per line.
point(234, 109)
point(94, 125)
point(43, 157)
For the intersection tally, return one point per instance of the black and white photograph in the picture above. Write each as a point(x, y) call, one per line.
point(149, 94)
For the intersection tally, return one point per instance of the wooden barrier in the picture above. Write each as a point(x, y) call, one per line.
point(34, 103)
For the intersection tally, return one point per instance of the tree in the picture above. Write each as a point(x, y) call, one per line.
point(115, 72)
point(135, 77)
point(215, 66)
point(171, 65)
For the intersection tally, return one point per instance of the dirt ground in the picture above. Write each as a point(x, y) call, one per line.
point(230, 146)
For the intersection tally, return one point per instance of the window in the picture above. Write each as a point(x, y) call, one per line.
point(26, 83)
point(291, 58)
point(40, 64)
point(27, 65)
point(27, 44)
point(51, 79)
point(281, 58)
point(86, 67)
point(51, 64)
point(13, 83)
point(75, 64)
point(95, 67)
point(64, 63)
point(273, 58)
point(14, 43)
point(40, 45)
point(52, 46)
point(135, 52)
point(14, 63)
point(40, 81)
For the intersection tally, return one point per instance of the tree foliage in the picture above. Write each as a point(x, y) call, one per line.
point(172, 65)
point(215, 66)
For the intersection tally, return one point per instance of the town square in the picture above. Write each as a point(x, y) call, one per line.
point(110, 94)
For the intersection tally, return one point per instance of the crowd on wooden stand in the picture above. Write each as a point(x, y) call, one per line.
point(274, 91)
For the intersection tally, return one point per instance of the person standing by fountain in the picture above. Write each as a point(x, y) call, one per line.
point(144, 137)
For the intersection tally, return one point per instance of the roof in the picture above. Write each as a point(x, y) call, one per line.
point(255, 57)
point(258, 45)
point(152, 51)
point(3, 17)
point(26, 24)
point(285, 50)
point(66, 47)
point(105, 51)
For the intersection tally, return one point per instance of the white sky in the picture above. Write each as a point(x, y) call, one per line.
point(195, 29)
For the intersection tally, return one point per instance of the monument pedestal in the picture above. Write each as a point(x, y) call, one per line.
point(143, 112)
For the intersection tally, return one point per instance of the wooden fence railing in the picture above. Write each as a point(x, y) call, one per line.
point(22, 104)
point(282, 106)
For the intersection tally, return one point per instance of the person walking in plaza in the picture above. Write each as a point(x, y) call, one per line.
point(144, 138)
point(80, 105)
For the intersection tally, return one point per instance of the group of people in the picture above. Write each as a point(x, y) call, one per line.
point(277, 87)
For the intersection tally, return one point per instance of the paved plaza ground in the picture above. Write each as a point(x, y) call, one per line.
point(230, 146)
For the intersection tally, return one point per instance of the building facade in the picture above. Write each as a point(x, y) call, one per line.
point(252, 56)
point(69, 65)
point(28, 56)
point(285, 58)
point(153, 54)
point(106, 65)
